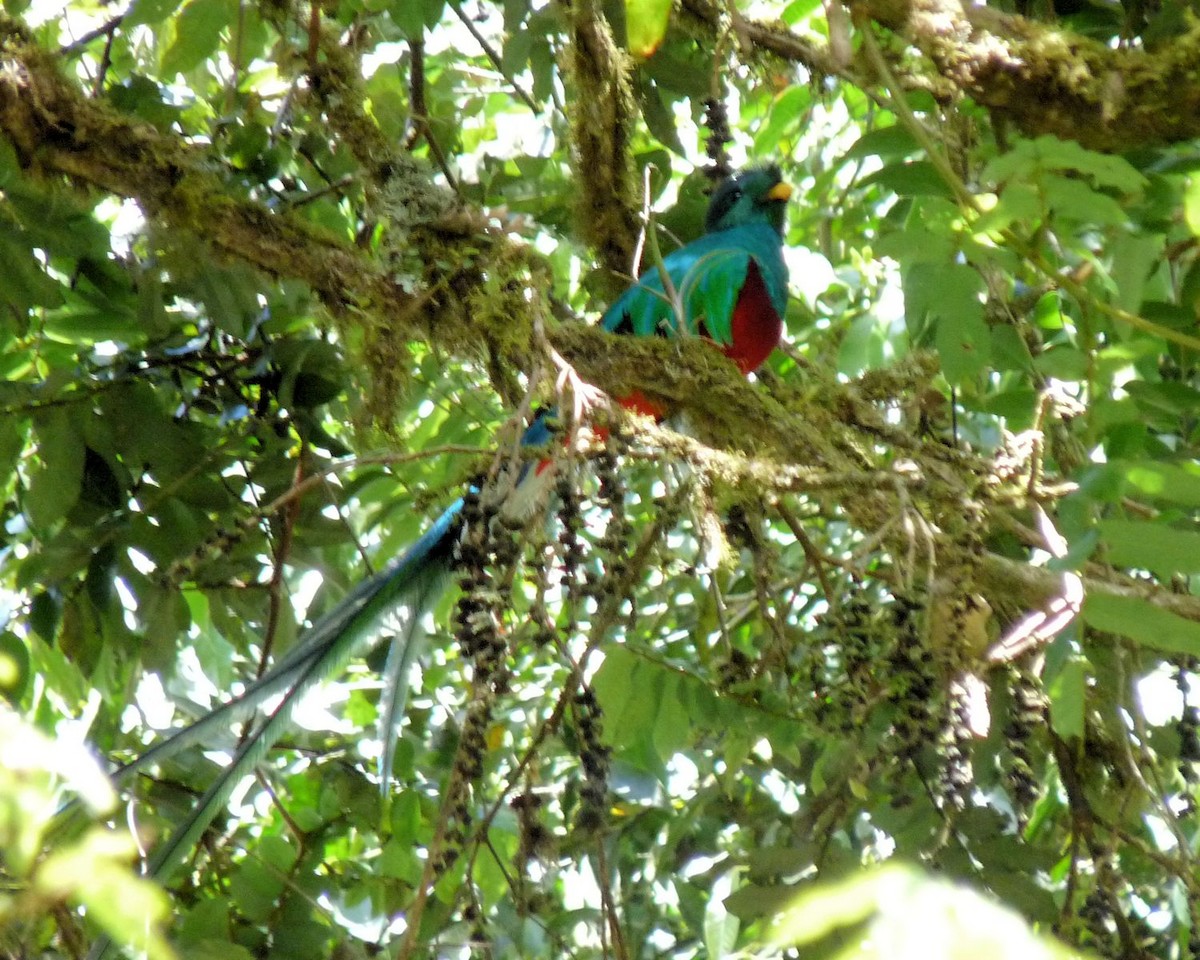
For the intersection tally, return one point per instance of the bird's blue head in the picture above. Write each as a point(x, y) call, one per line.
point(755, 195)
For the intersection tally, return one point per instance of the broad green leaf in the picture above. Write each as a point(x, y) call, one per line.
point(1047, 312)
point(787, 111)
point(197, 31)
point(1065, 363)
point(888, 143)
point(1067, 698)
point(96, 873)
point(950, 296)
point(1151, 546)
point(672, 728)
point(1009, 349)
point(58, 475)
point(917, 178)
point(26, 284)
point(14, 667)
point(1191, 204)
point(1143, 622)
point(720, 925)
point(1016, 203)
point(88, 326)
point(1168, 399)
point(150, 11)
point(964, 344)
point(915, 244)
point(1029, 157)
point(1134, 257)
point(658, 116)
point(646, 24)
point(1075, 200)
point(1172, 483)
point(255, 887)
point(896, 913)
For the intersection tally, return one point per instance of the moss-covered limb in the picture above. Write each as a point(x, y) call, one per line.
point(419, 288)
point(1031, 587)
point(1048, 80)
point(1040, 77)
point(821, 424)
point(772, 38)
point(58, 131)
point(607, 200)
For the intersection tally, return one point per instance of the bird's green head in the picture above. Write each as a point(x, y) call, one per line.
point(756, 195)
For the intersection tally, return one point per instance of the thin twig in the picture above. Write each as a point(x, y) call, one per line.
point(490, 52)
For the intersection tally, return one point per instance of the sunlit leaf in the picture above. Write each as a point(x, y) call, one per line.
point(645, 24)
point(1143, 622)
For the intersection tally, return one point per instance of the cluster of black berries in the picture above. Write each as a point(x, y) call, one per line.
point(716, 118)
point(836, 668)
point(482, 549)
point(479, 943)
point(735, 671)
point(457, 825)
point(534, 837)
point(611, 496)
point(594, 756)
point(570, 518)
point(1096, 914)
point(913, 687)
point(956, 776)
point(858, 648)
point(468, 768)
point(1028, 713)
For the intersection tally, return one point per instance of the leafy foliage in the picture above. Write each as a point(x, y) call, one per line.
point(274, 281)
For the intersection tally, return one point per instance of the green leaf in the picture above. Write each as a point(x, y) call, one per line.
point(196, 35)
point(1009, 349)
point(1191, 205)
point(787, 111)
point(888, 143)
point(1151, 546)
point(1163, 481)
point(672, 728)
point(14, 667)
point(95, 872)
point(1142, 622)
point(917, 178)
point(1067, 698)
point(658, 116)
point(899, 907)
point(45, 612)
point(255, 888)
point(26, 284)
point(1134, 257)
point(1075, 200)
point(87, 326)
point(964, 344)
point(1171, 400)
point(646, 24)
point(150, 11)
point(1016, 203)
point(58, 476)
point(1030, 157)
point(720, 926)
point(950, 297)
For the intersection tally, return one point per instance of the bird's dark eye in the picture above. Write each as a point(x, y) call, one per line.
point(735, 195)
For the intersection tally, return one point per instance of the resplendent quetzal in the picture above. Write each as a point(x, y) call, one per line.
point(729, 286)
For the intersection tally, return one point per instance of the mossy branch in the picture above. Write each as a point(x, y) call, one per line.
point(1042, 78)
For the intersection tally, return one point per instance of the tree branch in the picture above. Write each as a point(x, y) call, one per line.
point(1040, 77)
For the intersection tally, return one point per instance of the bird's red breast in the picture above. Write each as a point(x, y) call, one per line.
point(756, 327)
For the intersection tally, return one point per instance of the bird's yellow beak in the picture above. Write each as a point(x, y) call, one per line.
point(781, 191)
